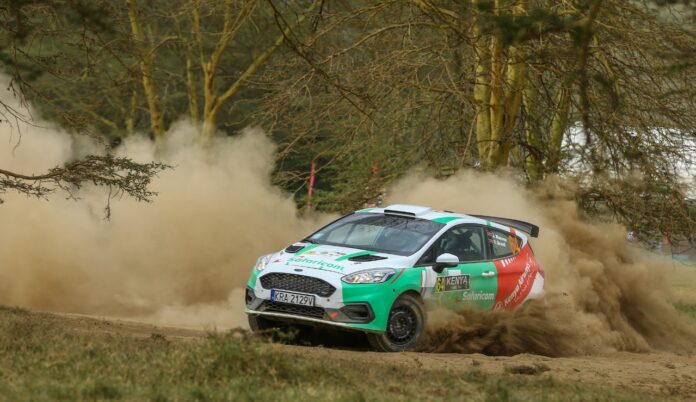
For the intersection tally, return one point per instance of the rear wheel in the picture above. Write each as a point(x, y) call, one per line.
point(404, 326)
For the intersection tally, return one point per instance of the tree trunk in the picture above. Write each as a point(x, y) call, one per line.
point(534, 160)
point(497, 106)
point(516, 81)
point(482, 89)
point(213, 101)
point(559, 124)
point(145, 65)
point(191, 86)
point(209, 127)
point(497, 91)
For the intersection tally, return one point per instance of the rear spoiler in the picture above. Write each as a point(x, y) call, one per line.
point(532, 230)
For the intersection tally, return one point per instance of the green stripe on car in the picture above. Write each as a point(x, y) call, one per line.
point(445, 219)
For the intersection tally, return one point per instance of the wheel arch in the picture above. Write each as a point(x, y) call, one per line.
point(411, 292)
point(384, 342)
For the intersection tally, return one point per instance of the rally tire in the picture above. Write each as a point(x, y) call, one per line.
point(405, 326)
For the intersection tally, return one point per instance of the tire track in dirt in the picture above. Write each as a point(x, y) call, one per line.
point(653, 372)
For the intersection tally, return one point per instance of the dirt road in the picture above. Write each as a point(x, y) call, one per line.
point(655, 372)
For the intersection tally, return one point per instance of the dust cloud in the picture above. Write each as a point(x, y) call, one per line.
point(181, 260)
point(603, 294)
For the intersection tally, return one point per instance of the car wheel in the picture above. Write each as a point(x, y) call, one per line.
point(404, 326)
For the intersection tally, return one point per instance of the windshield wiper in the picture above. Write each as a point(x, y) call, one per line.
point(308, 240)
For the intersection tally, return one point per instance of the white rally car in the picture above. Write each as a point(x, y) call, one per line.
point(376, 269)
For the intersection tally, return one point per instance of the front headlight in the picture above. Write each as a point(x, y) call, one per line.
point(263, 261)
point(375, 275)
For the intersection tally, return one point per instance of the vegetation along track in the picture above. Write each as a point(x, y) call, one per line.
point(121, 359)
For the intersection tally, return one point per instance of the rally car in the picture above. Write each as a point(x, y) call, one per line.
point(377, 269)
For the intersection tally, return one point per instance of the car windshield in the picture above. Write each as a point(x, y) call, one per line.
point(378, 232)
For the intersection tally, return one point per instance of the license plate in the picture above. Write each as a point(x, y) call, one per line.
point(292, 298)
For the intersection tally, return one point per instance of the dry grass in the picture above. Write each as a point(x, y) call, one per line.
point(45, 358)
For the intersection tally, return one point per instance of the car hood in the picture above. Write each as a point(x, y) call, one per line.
point(335, 259)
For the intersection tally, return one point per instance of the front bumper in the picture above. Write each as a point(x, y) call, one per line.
point(337, 306)
point(350, 313)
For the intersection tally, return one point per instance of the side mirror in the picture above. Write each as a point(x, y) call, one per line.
point(444, 261)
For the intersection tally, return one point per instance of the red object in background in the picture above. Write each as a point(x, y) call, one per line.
point(375, 169)
point(310, 188)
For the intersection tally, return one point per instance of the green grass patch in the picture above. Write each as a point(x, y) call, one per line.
point(688, 309)
point(43, 359)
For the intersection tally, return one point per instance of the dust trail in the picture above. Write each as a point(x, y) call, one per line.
point(183, 259)
point(603, 293)
point(180, 260)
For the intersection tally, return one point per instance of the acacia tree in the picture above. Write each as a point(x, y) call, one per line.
point(205, 33)
point(147, 64)
point(120, 175)
point(593, 91)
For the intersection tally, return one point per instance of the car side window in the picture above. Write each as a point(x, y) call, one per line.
point(466, 242)
point(502, 244)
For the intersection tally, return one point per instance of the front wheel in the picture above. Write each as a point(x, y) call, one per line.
point(404, 326)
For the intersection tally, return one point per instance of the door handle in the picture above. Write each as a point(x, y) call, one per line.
point(488, 274)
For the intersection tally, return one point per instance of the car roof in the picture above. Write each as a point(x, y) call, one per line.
point(423, 212)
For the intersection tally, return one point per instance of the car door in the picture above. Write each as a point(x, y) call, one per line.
point(472, 283)
point(513, 266)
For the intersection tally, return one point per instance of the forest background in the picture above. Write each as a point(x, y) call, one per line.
point(356, 93)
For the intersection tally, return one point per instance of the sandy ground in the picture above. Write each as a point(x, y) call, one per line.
point(655, 372)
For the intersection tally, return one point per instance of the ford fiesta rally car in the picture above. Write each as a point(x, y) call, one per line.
point(376, 269)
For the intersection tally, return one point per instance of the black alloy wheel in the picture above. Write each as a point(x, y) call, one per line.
point(404, 327)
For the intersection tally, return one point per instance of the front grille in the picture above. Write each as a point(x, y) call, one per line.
point(316, 312)
point(297, 283)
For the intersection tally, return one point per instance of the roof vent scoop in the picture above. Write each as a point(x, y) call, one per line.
point(407, 210)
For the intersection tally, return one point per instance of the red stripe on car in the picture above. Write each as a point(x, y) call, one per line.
point(398, 275)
